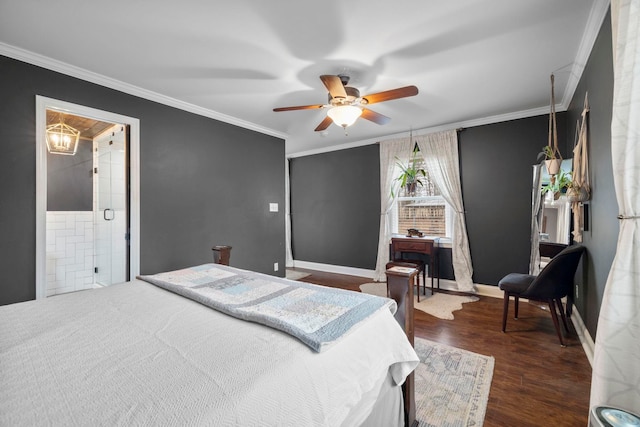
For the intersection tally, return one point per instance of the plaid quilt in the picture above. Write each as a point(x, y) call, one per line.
point(316, 315)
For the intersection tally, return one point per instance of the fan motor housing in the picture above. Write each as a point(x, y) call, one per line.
point(352, 95)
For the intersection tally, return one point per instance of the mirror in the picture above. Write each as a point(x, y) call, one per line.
point(550, 215)
point(556, 210)
point(556, 217)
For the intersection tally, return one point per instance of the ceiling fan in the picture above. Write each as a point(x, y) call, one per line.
point(346, 105)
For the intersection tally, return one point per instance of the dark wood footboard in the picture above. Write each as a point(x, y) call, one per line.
point(400, 280)
point(221, 254)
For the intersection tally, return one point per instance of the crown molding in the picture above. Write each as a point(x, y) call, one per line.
point(89, 76)
point(424, 131)
point(596, 17)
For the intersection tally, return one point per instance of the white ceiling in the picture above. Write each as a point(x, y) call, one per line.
point(473, 61)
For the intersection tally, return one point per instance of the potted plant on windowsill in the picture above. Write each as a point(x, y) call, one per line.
point(411, 174)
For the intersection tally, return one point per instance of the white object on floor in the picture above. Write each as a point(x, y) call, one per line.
point(440, 305)
point(295, 275)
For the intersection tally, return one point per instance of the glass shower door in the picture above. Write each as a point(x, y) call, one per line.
point(104, 221)
point(110, 215)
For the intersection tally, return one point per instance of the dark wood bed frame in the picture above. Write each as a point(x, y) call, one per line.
point(400, 288)
point(400, 280)
point(221, 254)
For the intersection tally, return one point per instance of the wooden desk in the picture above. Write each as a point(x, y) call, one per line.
point(548, 249)
point(427, 245)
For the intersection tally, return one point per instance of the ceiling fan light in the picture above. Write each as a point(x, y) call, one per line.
point(344, 115)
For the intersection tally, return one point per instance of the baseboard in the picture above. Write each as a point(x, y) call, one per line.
point(485, 290)
point(489, 291)
point(583, 334)
point(338, 269)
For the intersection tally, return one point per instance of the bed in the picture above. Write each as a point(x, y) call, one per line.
point(138, 354)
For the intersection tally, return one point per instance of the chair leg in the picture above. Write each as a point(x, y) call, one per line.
point(431, 273)
point(517, 305)
point(424, 281)
point(556, 323)
point(505, 310)
point(562, 315)
point(417, 279)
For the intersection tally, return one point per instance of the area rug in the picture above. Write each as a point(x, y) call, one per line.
point(295, 275)
point(451, 385)
point(440, 305)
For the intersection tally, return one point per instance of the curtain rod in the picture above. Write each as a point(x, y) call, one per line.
point(457, 130)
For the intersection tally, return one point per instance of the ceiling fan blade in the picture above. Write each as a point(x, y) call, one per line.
point(374, 117)
point(388, 95)
point(334, 86)
point(300, 107)
point(324, 124)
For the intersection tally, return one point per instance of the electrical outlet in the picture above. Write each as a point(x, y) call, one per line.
point(273, 207)
point(275, 266)
point(577, 292)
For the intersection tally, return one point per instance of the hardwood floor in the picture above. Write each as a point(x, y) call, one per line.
point(536, 382)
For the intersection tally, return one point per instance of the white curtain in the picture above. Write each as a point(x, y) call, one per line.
point(536, 215)
point(616, 366)
point(389, 151)
point(287, 225)
point(440, 151)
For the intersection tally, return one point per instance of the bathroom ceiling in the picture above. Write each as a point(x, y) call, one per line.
point(88, 128)
point(473, 61)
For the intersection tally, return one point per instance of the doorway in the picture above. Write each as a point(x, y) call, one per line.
point(112, 221)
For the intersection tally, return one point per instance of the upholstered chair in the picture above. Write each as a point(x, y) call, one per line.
point(554, 282)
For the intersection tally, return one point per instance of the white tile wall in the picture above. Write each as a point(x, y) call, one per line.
point(70, 258)
point(73, 250)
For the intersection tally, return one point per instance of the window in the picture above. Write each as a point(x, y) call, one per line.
point(424, 209)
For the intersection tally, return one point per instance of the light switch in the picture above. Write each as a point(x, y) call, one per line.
point(273, 207)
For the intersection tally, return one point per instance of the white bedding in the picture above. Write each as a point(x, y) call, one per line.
point(134, 354)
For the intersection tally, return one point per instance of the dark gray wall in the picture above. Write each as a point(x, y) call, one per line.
point(496, 167)
point(70, 180)
point(203, 182)
point(601, 238)
point(214, 189)
point(335, 207)
point(497, 171)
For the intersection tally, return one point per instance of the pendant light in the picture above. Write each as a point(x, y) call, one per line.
point(62, 138)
